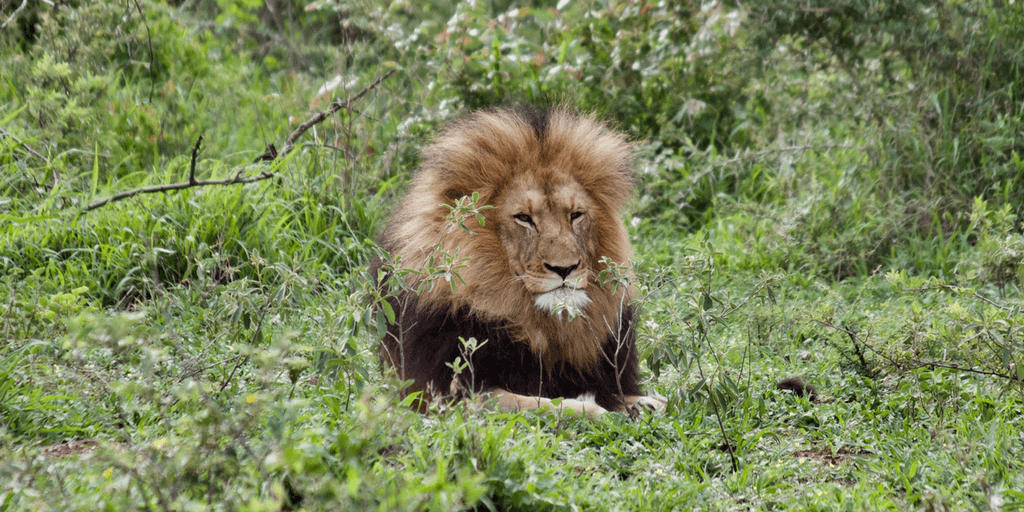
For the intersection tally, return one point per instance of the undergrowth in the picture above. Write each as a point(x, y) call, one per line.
point(824, 191)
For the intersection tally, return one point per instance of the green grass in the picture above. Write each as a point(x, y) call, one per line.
point(844, 214)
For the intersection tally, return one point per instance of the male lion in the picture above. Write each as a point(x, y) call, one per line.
point(556, 181)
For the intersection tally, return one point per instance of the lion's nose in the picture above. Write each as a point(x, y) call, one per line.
point(562, 272)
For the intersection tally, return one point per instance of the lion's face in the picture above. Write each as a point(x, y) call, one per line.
point(556, 183)
point(546, 229)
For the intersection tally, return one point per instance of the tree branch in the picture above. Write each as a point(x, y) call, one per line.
point(152, 58)
point(270, 154)
point(14, 14)
point(192, 162)
point(178, 186)
point(27, 148)
point(289, 143)
point(192, 182)
point(914, 365)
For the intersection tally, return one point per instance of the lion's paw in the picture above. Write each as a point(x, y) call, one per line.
point(584, 404)
point(650, 404)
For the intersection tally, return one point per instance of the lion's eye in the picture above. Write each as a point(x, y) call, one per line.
point(575, 215)
point(522, 217)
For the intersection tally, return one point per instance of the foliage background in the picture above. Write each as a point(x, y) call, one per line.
point(825, 189)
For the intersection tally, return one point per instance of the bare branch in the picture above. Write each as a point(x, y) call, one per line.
point(27, 148)
point(192, 182)
point(178, 186)
point(14, 14)
point(959, 289)
point(914, 365)
point(270, 154)
point(336, 105)
point(192, 162)
point(149, 38)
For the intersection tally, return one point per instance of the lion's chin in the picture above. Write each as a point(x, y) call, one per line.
point(563, 298)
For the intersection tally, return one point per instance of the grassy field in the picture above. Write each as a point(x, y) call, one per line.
point(831, 192)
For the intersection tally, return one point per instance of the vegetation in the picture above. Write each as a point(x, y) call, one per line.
point(826, 189)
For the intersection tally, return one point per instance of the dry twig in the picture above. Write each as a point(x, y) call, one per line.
point(192, 182)
point(26, 147)
point(14, 14)
point(336, 105)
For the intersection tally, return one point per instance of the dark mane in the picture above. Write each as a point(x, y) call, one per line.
point(427, 339)
point(538, 120)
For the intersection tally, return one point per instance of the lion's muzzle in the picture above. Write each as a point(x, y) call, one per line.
point(564, 297)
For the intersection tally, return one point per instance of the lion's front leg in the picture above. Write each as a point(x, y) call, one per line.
point(512, 402)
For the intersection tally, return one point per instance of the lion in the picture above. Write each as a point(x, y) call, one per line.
point(551, 184)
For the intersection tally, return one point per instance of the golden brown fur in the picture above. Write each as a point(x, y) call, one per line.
point(556, 182)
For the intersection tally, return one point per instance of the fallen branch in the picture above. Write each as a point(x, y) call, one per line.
point(270, 154)
point(192, 182)
point(860, 347)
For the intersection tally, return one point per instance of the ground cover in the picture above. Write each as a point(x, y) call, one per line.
point(819, 195)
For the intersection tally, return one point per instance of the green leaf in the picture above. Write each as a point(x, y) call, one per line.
point(382, 328)
point(388, 311)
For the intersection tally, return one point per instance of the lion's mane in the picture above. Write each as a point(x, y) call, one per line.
point(528, 350)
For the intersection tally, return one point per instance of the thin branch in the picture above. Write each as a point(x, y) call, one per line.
point(702, 336)
point(192, 162)
point(788, 149)
point(192, 182)
point(270, 154)
point(914, 364)
point(14, 14)
point(199, 371)
point(857, 349)
point(252, 340)
point(958, 289)
point(152, 58)
point(178, 186)
point(289, 143)
point(27, 148)
point(953, 366)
